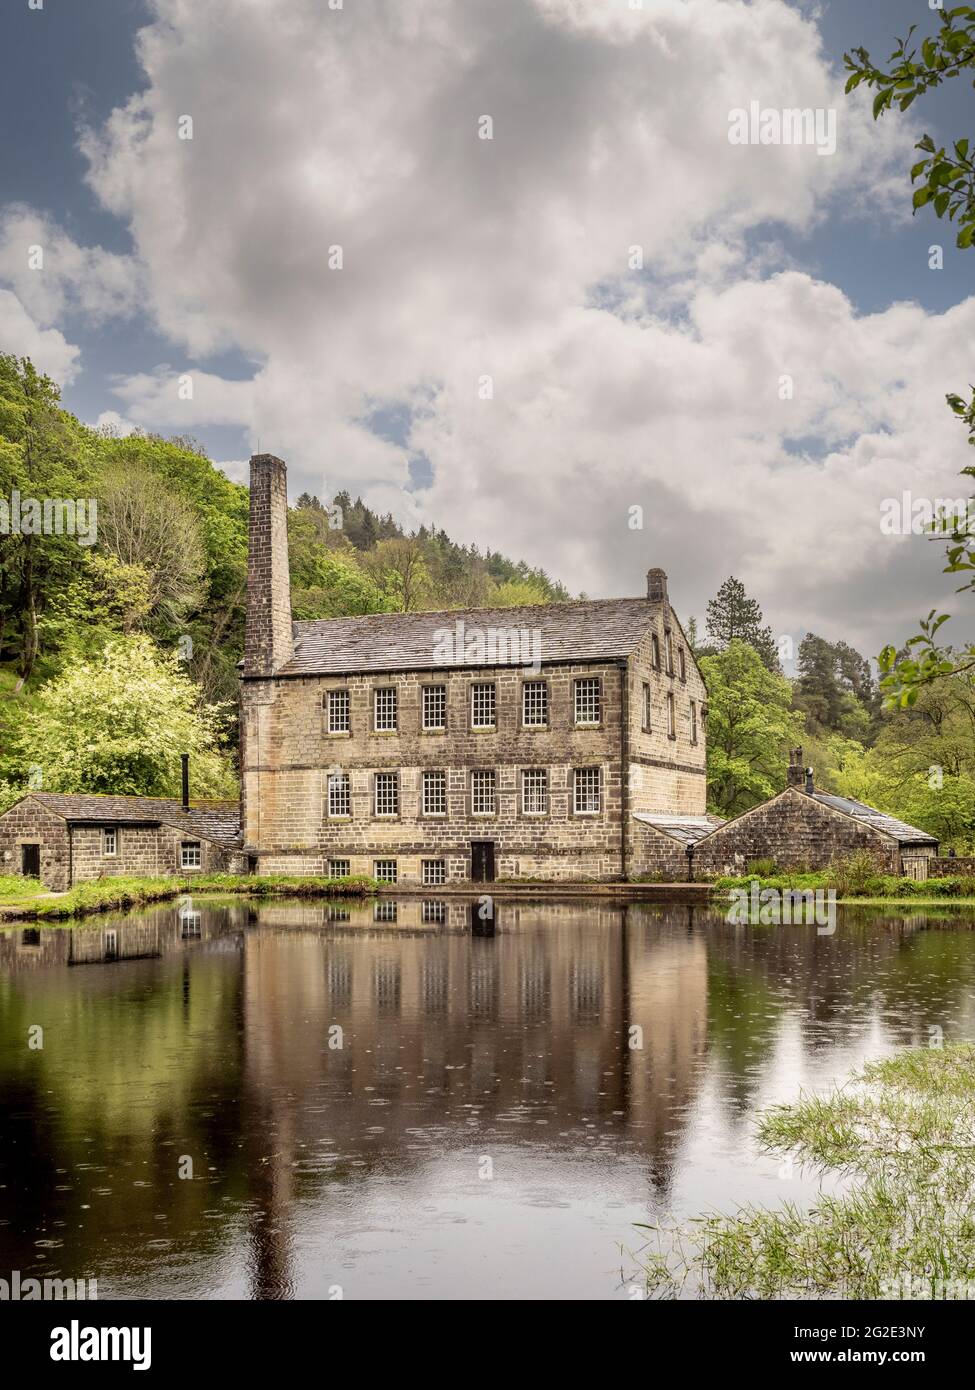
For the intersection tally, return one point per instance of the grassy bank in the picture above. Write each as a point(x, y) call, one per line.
point(865, 888)
point(113, 894)
point(903, 1130)
point(14, 888)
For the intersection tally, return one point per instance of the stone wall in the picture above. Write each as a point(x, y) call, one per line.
point(943, 866)
point(144, 851)
point(288, 754)
point(796, 831)
point(30, 823)
point(667, 773)
point(653, 852)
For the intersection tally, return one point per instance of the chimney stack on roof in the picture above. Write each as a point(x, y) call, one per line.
point(268, 642)
point(796, 771)
point(809, 781)
point(657, 585)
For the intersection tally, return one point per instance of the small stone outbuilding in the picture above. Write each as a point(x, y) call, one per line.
point(68, 839)
point(802, 828)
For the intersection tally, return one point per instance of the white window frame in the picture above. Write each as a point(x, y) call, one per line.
point(335, 869)
point(484, 792)
point(488, 691)
point(583, 780)
point(386, 698)
point(539, 791)
point(381, 876)
point(110, 836)
point(436, 780)
point(429, 691)
point(433, 871)
point(534, 701)
point(339, 712)
point(388, 780)
point(587, 696)
point(193, 849)
point(339, 793)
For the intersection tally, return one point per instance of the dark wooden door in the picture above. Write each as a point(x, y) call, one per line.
point(482, 861)
point(31, 861)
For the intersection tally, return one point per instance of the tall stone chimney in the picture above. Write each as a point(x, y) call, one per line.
point(796, 774)
point(268, 642)
point(657, 586)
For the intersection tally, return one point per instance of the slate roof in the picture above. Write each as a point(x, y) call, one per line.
point(588, 630)
point(217, 821)
point(687, 830)
point(879, 820)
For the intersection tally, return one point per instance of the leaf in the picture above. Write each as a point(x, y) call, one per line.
point(966, 236)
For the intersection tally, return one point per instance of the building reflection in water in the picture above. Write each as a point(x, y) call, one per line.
point(306, 1051)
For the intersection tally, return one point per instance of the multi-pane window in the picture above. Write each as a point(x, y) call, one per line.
point(669, 653)
point(387, 794)
point(586, 790)
point(483, 705)
point(534, 791)
point(587, 700)
point(435, 793)
point(109, 841)
point(671, 717)
point(647, 707)
point(384, 911)
point(339, 868)
point(433, 912)
point(434, 707)
point(693, 721)
point(483, 792)
point(384, 870)
point(191, 854)
point(681, 664)
point(534, 704)
point(655, 651)
point(384, 706)
point(433, 870)
point(339, 794)
point(338, 712)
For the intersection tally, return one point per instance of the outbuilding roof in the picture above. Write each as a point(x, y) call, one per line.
point(217, 821)
point(687, 830)
point(902, 832)
point(587, 630)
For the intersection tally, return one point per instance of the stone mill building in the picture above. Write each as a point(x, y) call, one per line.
point(425, 748)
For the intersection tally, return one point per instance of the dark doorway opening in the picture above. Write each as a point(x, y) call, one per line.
point(482, 861)
point(252, 863)
point(31, 862)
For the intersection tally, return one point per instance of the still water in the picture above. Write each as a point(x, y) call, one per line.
point(397, 1100)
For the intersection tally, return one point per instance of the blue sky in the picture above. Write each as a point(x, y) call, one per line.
point(348, 411)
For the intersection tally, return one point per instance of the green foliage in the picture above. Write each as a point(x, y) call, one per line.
point(734, 617)
point(922, 766)
point(170, 568)
point(751, 724)
point(14, 887)
point(901, 1227)
point(119, 723)
point(947, 180)
point(947, 183)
